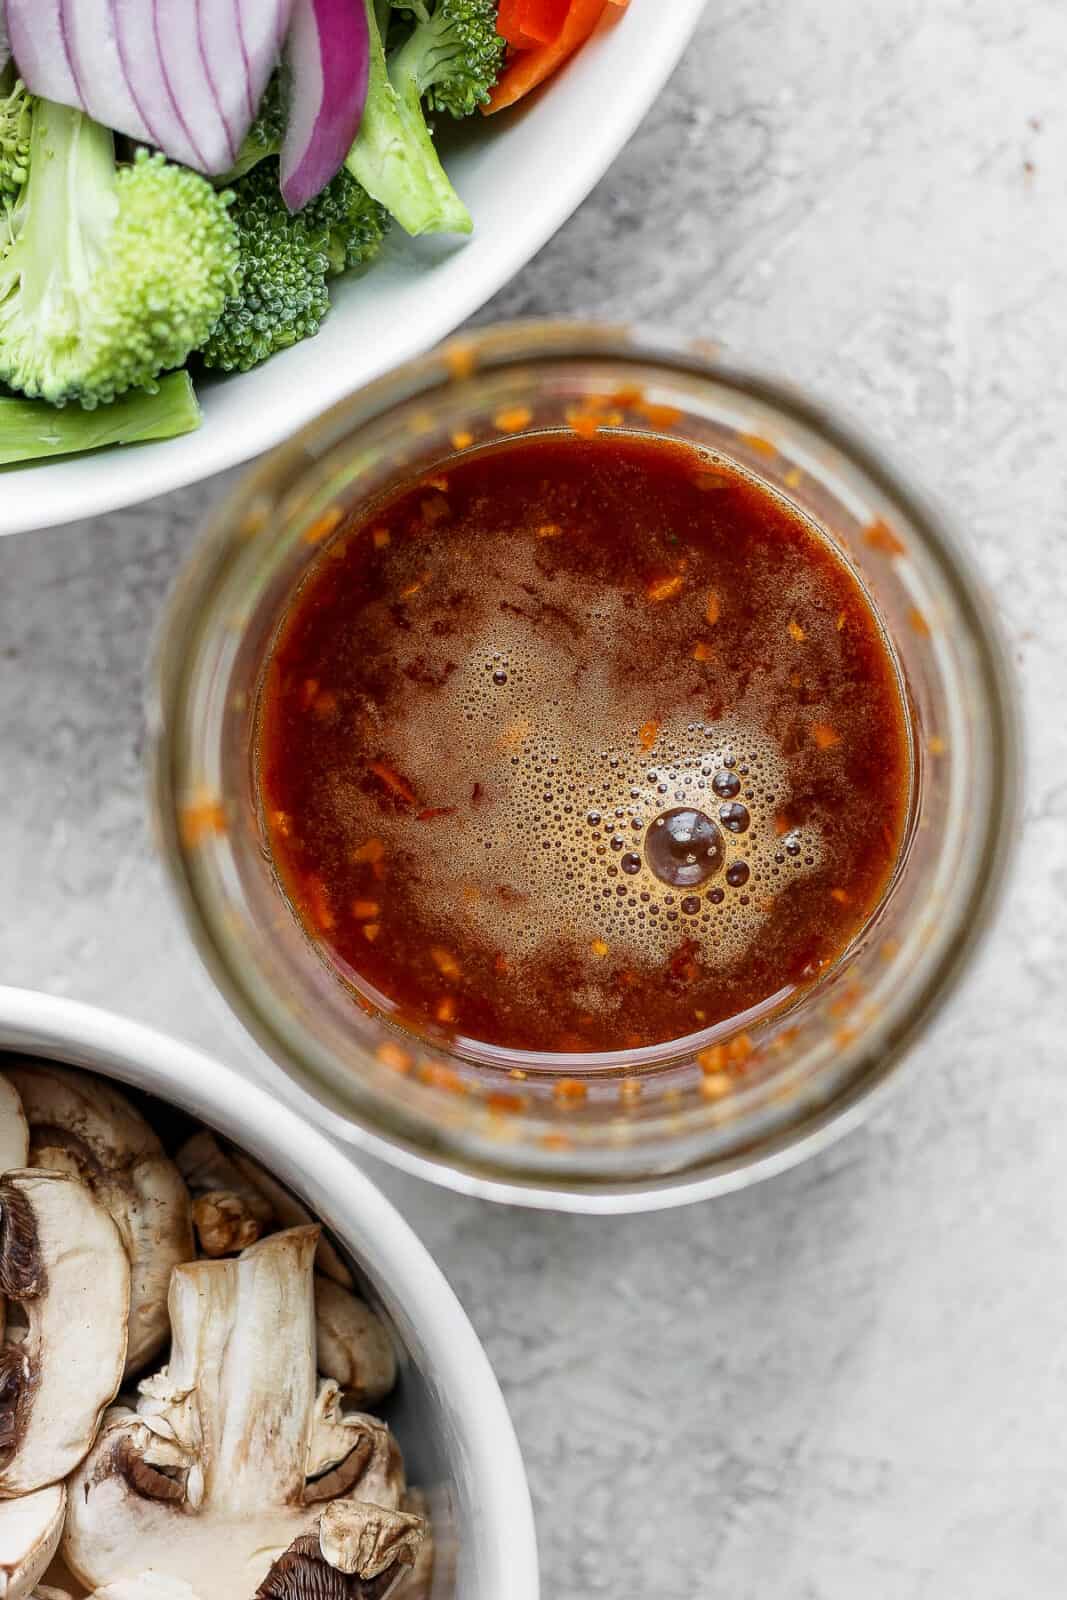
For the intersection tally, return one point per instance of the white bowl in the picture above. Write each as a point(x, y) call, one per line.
point(521, 174)
point(448, 1411)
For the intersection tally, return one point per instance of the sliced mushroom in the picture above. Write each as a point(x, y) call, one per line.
point(29, 1534)
point(62, 1258)
point(417, 1581)
point(229, 1213)
point(14, 1131)
point(146, 1586)
point(346, 1448)
point(82, 1126)
point(207, 1480)
point(211, 1167)
point(359, 1553)
point(354, 1346)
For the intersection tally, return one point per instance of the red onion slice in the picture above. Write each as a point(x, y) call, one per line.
point(186, 75)
point(329, 57)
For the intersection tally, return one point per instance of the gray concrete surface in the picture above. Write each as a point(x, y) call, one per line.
point(853, 1381)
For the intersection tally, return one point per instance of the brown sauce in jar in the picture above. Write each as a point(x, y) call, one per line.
point(582, 745)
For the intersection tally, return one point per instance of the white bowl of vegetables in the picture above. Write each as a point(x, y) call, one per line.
point(217, 220)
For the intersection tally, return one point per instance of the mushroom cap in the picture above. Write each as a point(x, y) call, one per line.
point(29, 1535)
point(14, 1132)
point(61, 1257)
point(83, 1126)
point(354, 1347)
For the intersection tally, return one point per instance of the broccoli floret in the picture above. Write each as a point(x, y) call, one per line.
point(32, 430)
point(115, 273)
point(15, 124)
point(453, 55)
point(393, 156)
point(353, 224)
point(264, 137)
point(285, 261)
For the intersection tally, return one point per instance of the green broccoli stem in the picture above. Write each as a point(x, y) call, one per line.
point(72, 174)
point(33, 430)
point(394, 156)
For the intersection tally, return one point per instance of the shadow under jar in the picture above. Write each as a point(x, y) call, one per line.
point(616, 1124)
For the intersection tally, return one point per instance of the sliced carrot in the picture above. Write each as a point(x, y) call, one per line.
point(509, 24)
point(531, 67)
point(543, 19)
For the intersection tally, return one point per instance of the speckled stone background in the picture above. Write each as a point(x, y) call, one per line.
point(851, 1381)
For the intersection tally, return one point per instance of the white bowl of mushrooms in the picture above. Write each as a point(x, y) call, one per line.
point(228, 1369)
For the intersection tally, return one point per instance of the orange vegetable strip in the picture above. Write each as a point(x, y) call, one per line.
point(532, 67)
point(509, 24)
point(543, 19)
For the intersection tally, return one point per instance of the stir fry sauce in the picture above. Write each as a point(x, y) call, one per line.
point(582, 744)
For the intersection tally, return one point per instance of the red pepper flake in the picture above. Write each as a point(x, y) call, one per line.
point(308, 693)
point(918, 623)
point(500, 966)
point(716, 1085)
point(712, 1059)
point(512, 419)
point(842, 896)
point(586, 420)
point(445, 962)
point(439, 1076)
point(381, 537)
point(371, 930)
point(282, 823)
point(462, 439)
point(658, 416)
point(796, 632)
point(660, 589)
point(431, 813)
point(323, 526)
point(371, 852)
point(629, 398)
point(757, 442)
point(477, 794)
point(842, 618)
point(647, 734)
point(396, 785)
point(202, 819)
point(569, 1091)
point(703, 651)
point(825, 737)
point(415, 586)
point(506, 1104)
point(880, 536)
point(630, 1091)
point(446, 1010)
point(549, 530)
point(324, 704)
point(318, 900)
point(599, 947)
point(365, 910)
point(936, 745)
point(394, 1057)
point(739, 1049)
point(459, 359)
point(712, 609)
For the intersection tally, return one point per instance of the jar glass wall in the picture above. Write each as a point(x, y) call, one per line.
point(604, 1131)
